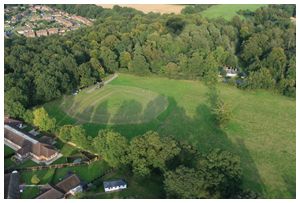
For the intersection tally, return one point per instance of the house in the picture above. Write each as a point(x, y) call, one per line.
point(51, 194)
point(30, 33)
point(82, 20)
point(114, 185)
point(70, 185)
point(27, 147)
point(40, 33)
point(230, 72)
point(11, 185)
point(63, 21)
point(52, 31)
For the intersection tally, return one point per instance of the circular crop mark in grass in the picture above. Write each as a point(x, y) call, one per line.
point(114, 104)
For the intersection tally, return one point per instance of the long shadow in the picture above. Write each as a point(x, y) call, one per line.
point(101, 113)
point(129, 111)
point(251, 174)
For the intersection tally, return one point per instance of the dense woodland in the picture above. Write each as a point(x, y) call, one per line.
point(262, 46)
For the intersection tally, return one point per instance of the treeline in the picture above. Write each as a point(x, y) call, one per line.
point(188, 46)
point(186, 172)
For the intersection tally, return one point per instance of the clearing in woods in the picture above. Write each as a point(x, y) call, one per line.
point(113, 104)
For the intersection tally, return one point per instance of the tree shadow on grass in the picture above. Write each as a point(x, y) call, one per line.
point(202, 132)
point(290, 183)
point(128, 112)
point(249, 167)
point(100, 113)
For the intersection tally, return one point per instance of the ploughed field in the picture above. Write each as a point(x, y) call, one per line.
point(262, 130)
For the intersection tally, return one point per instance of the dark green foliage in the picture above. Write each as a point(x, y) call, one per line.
point(175, 25)
point(112, 146)
point(222, 173)
point(185, 183)
point(151, 151)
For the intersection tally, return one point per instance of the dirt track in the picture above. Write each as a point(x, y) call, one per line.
point(146, 8)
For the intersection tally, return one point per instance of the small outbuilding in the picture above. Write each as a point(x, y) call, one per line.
point(114, 185)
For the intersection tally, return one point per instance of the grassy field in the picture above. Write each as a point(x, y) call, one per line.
point(262, 130)
point(86, 173)
point(139, 188)
point(114, 105)
point(228, 11)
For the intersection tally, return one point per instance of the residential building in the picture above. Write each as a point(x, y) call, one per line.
point(30, 33)
point(40, 33)
point(52, 31)
point(114, 185)
point(82, 20)
point(11, 185)
point(64, 21)
point(231, 72)
point(26, 147)
point(51, 194)
point(69, 186)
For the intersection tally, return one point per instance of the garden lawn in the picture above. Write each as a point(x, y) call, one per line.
point(228, 11)
point(8, 151)
point(262, 130)
point(30, 193)
point(139, 188)
point(85, 172)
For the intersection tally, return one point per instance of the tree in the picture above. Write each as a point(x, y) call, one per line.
point(14, 101)
point(139, 64)
point(42, 120)
point(222, 113)
point(185, 183)
point(47, 86)
point(222, 173)
point(97, 66)
point(65, 133)
point(28, 116)
point(261, 79)
point(87, 75)
point(112, 146)
point(125, 59)
point(151, 151)
point(109, 60)
point(276, 60)
point(35, 180)
point(79, 137)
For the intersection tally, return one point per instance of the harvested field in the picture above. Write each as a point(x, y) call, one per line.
point(147, 8)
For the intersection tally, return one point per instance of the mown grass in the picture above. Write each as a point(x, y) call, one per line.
point(261, 131)
point(139, 188)
point(8, 151)
point(228, 11)
point(85, 172)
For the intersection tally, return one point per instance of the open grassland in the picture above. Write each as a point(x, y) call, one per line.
point(114, 105)
point(262, 131)
point(228, 11)
point(147, 8)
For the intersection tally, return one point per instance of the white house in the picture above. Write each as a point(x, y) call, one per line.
point(114, 185)
point(230, 72)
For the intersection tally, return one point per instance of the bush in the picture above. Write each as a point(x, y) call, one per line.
point(35, 180)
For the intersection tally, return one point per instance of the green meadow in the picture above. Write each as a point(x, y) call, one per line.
point(262, 130)
point(227, 11)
